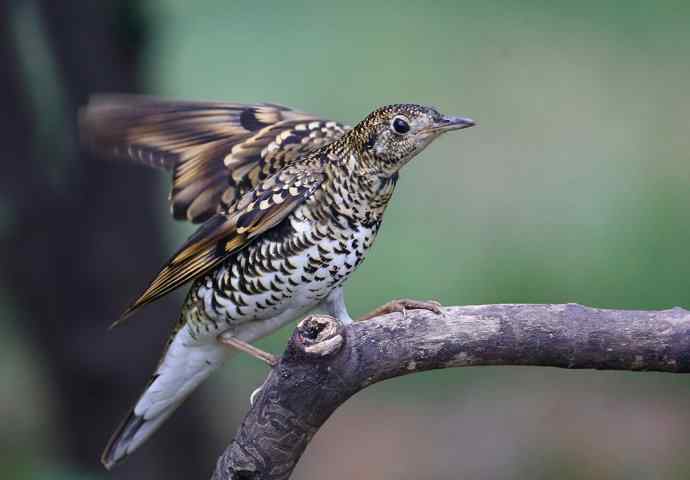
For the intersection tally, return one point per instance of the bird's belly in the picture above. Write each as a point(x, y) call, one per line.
point(262, 290)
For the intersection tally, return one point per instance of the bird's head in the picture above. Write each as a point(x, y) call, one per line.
point(392, 135)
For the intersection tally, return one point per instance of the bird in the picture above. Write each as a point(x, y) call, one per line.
point(288, 205)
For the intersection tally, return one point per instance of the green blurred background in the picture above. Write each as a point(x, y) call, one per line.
point(573, 188)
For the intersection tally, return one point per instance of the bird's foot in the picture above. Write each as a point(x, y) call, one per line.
point(234, 342)
point(401, 305)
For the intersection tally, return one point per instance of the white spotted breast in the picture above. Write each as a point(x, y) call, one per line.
point(292, 269)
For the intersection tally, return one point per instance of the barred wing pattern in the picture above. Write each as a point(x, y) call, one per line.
point(217, 151)
point(237, 168)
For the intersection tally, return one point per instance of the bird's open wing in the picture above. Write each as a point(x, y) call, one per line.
point(217, 151)
point(225, 233)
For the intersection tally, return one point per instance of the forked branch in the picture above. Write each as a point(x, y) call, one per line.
point(325, 363)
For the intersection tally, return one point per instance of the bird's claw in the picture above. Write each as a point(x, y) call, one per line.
point(401, 306)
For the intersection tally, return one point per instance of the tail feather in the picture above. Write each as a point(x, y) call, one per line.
point(185, 364)
point(131, 433)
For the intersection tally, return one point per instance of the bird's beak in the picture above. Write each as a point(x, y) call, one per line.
point(448, 123)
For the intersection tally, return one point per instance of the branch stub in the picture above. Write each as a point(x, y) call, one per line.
point(318, 336)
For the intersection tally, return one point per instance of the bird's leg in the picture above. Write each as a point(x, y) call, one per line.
point(234, 342)
point(401, 305)
point(334, 305)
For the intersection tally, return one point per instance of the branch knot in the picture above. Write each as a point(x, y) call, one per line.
point(319, 335)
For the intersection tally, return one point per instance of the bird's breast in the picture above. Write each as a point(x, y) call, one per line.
point(284, 274)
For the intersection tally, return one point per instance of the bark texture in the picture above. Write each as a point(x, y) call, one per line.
point(325, 363)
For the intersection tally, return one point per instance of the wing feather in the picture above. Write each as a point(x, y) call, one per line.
point(217, 150)
point(227, 232)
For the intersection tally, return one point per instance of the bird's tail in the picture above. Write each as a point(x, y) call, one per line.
point(185, 364)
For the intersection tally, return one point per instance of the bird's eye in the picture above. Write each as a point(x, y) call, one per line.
point(400, 125)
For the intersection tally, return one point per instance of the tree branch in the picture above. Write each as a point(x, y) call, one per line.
point(325, 363)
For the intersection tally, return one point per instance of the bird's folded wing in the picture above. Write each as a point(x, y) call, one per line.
point(227, 232)
point(217, 151)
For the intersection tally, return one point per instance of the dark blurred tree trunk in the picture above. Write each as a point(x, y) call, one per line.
point(79, 249)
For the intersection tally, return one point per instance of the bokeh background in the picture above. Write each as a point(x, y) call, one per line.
point(574, 187)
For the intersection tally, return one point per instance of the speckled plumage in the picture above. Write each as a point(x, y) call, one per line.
point(290, 205)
